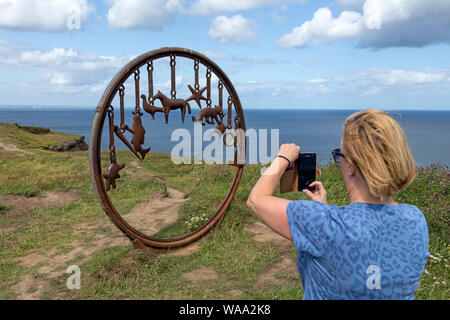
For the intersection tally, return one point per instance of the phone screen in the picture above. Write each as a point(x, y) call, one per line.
point(306, 170)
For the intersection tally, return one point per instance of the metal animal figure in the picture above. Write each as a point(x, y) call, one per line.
point(113, 173)
point(150, 108)
point(138, 132)
point(209, 115)
point(172, 104)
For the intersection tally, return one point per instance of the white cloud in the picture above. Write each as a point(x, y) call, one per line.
point(167, 85)
point(217, 55)
point(381, 24)
point(43, 15)
point(57, 57)
point(370, 82)
point(239, 60)
point(318, 80)
point(397, 77)
point(59, 78)
point(211, 6)
point(214, 6)
point(380, 82)
point(352, 5)
point(411, 23)
point(99, 87)
point(60, 69)
point(376, 87)
point(69, 66)
point(155, 14)
point(373, 91)
point(323, 28)
point(142, 14)
point(254, 60)
point(234, 29)
point(8, 52)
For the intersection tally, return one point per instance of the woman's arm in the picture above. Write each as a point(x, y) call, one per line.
point(272, 210)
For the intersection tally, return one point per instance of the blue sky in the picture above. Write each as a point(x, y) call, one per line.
point(344, 54)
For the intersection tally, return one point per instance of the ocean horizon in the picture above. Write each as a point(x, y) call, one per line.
point(6, 107)
point(319, 131)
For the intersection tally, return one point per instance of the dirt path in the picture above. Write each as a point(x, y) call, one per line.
point(11, 148)
point(151, 215)
point(22, 204)
point(155, 212)
point(132, 169)
point(281, 272)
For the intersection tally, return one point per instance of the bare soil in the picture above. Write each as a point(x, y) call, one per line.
point(156, 211)
point(22, 204)
point(201, 274)
point(280, 272)
point(30, 288)
point(152, 214)
point(142, 175)
point(11, 148)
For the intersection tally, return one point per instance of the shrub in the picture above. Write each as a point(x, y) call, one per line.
point(34, 130)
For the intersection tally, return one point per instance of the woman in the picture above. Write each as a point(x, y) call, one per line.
point(373, 248)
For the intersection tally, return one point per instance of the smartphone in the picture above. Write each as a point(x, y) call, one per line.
point(306, 166)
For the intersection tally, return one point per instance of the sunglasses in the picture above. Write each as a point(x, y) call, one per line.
point(337, 155)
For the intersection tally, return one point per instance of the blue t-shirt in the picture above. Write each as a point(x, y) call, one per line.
point(358, 251)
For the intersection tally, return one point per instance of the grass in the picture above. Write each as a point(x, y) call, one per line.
point(4, 209)
point(31, 137)
point(34, 130)
point(123, 272)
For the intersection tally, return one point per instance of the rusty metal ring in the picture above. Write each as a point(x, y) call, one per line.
point(172, 61)
point(139, 239)
point(150, 66)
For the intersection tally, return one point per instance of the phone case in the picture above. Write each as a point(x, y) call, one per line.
point(289, 180)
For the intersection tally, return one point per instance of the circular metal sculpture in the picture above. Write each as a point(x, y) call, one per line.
point(105, 179)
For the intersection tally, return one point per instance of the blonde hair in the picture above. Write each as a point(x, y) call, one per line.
point(375, 144)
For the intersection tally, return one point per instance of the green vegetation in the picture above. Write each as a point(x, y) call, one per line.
point(122, 272)
point(31, 137)
point(34, 130)
point(4, 209)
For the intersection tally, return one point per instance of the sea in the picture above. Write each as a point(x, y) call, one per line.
point(319, 131)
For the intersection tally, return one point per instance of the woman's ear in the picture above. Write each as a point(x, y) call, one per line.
point(351, 170)
point(347, 167)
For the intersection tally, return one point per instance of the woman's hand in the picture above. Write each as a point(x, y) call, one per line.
point(290, 151)
point(319, 194)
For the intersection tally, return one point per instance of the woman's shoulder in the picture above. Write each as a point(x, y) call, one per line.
point(401, 211)
point(307, 210)
point(399, 207)
point(380, 206)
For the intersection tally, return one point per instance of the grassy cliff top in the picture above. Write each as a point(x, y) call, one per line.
point(28, 137)
point(239, 259)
